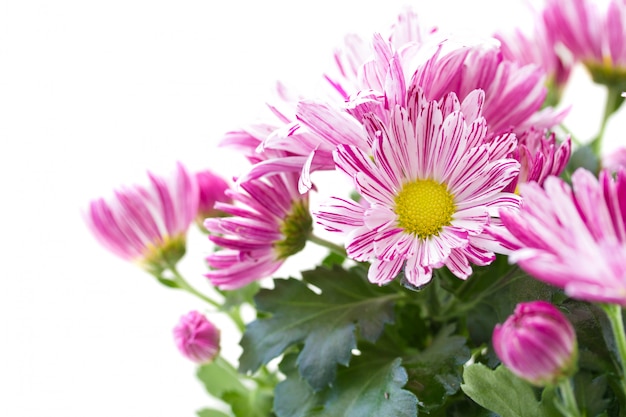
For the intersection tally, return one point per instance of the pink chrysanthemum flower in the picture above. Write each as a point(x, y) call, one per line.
point(356, 71)
point(147, 225)
point(595, 32)
point(539, 48)
point(537, 343)
point(514, 93)
point(540, 156)
point(432, 183)
point(197, 338)
point(513, 96)
point(572, 237)
point(270, 223)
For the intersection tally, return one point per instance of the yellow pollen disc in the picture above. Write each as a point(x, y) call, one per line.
point(424, 207)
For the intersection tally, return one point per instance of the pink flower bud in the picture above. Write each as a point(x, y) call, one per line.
point(537, 343)
point(197, 338)
point(212, 189)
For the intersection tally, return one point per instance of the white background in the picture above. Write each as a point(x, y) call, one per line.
point(93, 94)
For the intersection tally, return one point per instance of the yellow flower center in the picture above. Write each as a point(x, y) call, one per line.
point(297, 227)
point(424, 207)
point(607, 73)
point(159, 256)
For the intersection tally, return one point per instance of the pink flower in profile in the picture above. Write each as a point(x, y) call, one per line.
point(212, 188)
point(540, 156)
point(147, 224)
point(537, 343)
point(538, 47)
point(572, 237)
point(269, 221)
point(197, 338)
point(432, 184)
point(594, 32)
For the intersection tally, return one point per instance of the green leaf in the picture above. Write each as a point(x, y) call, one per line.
point(435, 373)
point(590, 322)
point(206, 412)
point(478, 283)
point(333, 259)
point(591, 393)
point(222, 381)
point(499, 305)
point(325, 323)
point(256, 403)
point(294, 397)
point(583, 157)
point(503, 393)
point(167, 282)
point(219, 377)
point(235, 298)
point(371, 386)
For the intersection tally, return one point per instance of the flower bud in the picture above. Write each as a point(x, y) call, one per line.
point(197, 338)
point(212, 189)
point(537, 343)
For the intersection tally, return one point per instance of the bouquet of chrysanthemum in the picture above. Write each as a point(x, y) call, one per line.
point(476, 266)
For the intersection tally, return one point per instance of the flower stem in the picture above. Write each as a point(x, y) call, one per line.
point(573, 138)
point(613, 95)
point(330, 245)
point(568, 408)
point(614, 313)
point(233, 313)
point(184, 285)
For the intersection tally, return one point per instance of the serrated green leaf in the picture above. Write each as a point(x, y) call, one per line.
point(371, 386)
point(211, 413)
point(503, 393)
point(294, 397)
point(435, 373)
point(326, 323)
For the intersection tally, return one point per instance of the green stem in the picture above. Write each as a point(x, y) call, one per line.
point(266, 378)
point(568, 408)
point(612, 97)
point(184, 285)
point(330, 245)
point(614, 313)
point(234, 313)
point(575, 140)
point(224, 364)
